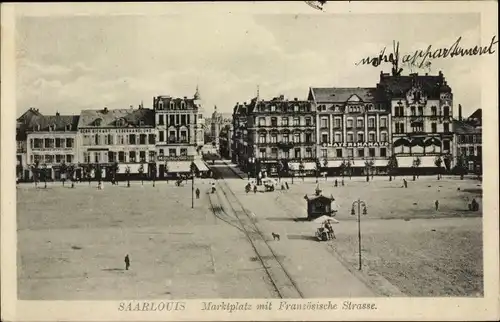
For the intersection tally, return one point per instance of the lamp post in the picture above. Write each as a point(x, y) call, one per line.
point(359, 203)
point(192, 185)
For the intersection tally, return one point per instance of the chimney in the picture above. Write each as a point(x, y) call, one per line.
point(105, 110)
point(459, 112)
point(57, 114)
point(295, 99)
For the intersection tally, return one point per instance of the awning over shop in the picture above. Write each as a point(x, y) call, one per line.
point(381, 163)
point(428, 162)
point(201, 166)
point(179, 166)
point(134, 167)
point(405, 162)
point(294, 166)
point(425, 162)
point(334, 163)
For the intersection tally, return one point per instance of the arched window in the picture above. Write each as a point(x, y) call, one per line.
point(446, 111)
point(433, 110)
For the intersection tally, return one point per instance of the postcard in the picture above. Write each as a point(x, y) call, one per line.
point(221, 161)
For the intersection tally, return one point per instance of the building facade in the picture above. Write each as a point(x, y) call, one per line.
point(23, 124)
point(468, 142)
point(421, 120)
point(280, 132)
point(50, 142)
point(123, 136)
point(352, 129)
point(239, 138)
point(179, 133)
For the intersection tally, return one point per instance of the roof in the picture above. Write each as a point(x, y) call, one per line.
point(342, 94)
point(398, 86)
point(464, 127)
point(61, 122)
point(109, 118)
point(478, 114)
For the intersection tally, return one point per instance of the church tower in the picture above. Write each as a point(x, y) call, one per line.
point(200, 119)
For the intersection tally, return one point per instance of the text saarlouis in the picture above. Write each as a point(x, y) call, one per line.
point(151, 306)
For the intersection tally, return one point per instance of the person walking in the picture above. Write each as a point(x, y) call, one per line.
point(286, 185)
point(255, 189)
point(436, 204)
point(197, 193)
point(127, 262)
point(405, 183)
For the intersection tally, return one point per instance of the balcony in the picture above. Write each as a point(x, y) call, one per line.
point(285, 145)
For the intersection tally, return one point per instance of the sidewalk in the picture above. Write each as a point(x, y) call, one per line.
point(234, 168)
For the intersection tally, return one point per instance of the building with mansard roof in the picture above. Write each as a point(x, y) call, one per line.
point(421, 109)
point(468, 140)
point(123, 136)
point(352, 129)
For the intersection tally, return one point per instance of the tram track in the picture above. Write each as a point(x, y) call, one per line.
point(281, 280)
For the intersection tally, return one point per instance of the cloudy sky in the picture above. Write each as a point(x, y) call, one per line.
point(67, 64)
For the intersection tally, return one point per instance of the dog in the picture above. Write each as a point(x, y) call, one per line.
point(276, 236)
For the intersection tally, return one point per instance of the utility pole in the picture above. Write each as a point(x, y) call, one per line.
point(192, 185)
point(359, 203)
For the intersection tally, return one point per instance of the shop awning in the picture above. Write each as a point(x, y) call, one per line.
point(381, 163)
point(201, 166)
point(179, 166)
point(134, 167)
point(307, 166)
point(334, 163)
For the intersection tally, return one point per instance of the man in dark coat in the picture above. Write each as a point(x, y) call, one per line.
point(197, 193)
point(127, 262)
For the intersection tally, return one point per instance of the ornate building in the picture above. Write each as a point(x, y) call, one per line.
point(50, 142)
point(125, 136)
point(468, 141)
point(421, 108)
point(280, 132)
point(352, 128)
point(239, 138)
point(179, 133)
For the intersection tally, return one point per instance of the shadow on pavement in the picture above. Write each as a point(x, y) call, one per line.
point(113, 269)
point(302, 237)
point(280, 219)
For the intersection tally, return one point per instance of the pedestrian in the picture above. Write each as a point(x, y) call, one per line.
point(99, 185)
point(342, 182)
point(197, 193)
point(436, 204)
point(254, 189)
point(405, 183)
point(336, 183)
point(286, 185)
point(127, 262)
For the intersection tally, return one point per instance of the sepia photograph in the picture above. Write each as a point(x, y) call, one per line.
point(324, 155)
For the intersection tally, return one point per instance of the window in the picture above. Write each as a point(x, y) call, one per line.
point(296, 138)
point(371, 137)
point(349, 123)
point(172, 152)
point(324, 138)
point(152, 155)
point(284, 121)
point(131, 156)
point(350, 153)
point(420, 110)
point(49, 143)
point(273, 108)
point(413, 112)
point(171, 120)
point(308, 121)
point(171, 137)
point(361, 153)
point(337, 122)
point(142, 156)
point(183, 136)
point(262, 138)
point(308, 153)
point(184, 152)
point(361, 137)
point(324, 123)
point(338, 137)
point(446, 145)
point(151, 138)
point(142, 138)
point(383, 137)
point(69, 158)
point(324, 153)
point(297, 153)
point(274, 121)
point(274, 138)
point(131, 139)
point(463, 151)
point(359, 123)
point(446, 127)
point(121, 156)
point(111, 156)
point(479, 151)
point(471, 151)
point(308, 138)
point(383, 122)
point(350, 137)
point(97, 157)
point(400, 128)
point(285, 138)
point(161, 152)
point(58, 158)
point(161, 120)
point(371, 152)
point(162, 136)
point(296, 121)
point(371, 122)
point(383, 152)
point(183, 119)
point(58, 143)
point(274, 153)
point(262, 153)
point(262, 121)
point(433, 127)
point(286, 154)
point(433, 111)
point(339, 153)
point(446, 111)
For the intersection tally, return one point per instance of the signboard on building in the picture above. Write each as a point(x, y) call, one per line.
point(175, 158)
point(359, 144)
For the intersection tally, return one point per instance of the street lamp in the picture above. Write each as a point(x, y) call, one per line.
point(192, 184)
point(359, 203)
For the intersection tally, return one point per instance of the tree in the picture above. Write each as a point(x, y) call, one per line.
point(349, 168)
point(64, 171)
point(35, 169)
point(71, 172)
point(461, 166)
point(127, 172)
point(301, 169)
point(447, 162)
point(368, 167)
point(392, 165)
point(153, 172)
point(416, 163)
point(141, 172)
point(343, 167)
point(279, 169)
point(438, 162)
point(325, 168)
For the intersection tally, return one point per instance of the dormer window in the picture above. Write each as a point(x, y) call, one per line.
point(98, 122)
point(183, 105)
point(120, 122)
point(68, 127)
point(52, 127)
point(171, 105)
point(141, 123)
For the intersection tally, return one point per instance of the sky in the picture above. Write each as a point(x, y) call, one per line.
point(69, 63)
